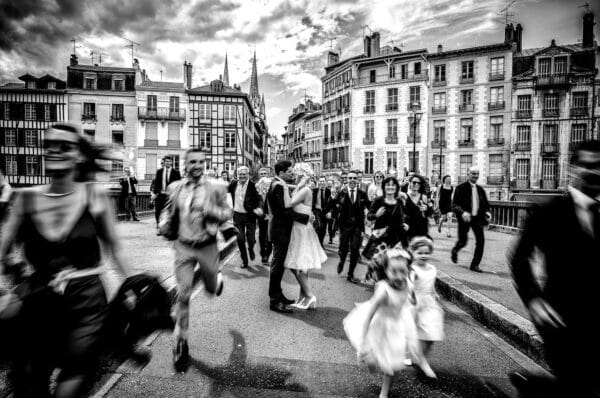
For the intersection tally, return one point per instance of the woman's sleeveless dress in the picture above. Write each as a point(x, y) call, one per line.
point(304, 250)
point(429, 313)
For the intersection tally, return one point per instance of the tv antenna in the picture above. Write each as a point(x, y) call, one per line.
point(506, 13)
point(75, 46)
point(132, 44)
point(306, 96)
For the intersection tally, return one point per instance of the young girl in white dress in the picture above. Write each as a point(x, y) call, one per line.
point(429, 315)
point(304, 250)
point(383, 329)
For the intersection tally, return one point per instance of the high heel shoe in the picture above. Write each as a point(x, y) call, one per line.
point(312, 302)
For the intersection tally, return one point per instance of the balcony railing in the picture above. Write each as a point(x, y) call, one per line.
point(438, 110)
point(391, 139)
point(160, 113)
point(467, 80)
point(493, 106)
point(579, 111)
point(346, 136)
point(466, 143)
point(549, 183)
point(495, 180)
point(551, 112)
point(466, 107)
point(550, 147)
point(150, 143)
point(438, 144)
point(550, 81)
point(410, 139)
point(439, 83)
point(495, 141)
point(369, 109)
point(523, 146)
point(88, 116)
point(496, 76)
point(415, 106)
point(325, 140)
point(119, 119)
point(386, 78)
point(574, 144)
point(522, 183)
point(391, 107)
point(368, 140)
point(523, 114)
point(173, 143)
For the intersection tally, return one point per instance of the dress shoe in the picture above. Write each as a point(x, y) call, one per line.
point(340, 268)
point(279, 307)
point(252, 255)
point(285, 300)
point(476, 269)
point(181, 356)
point(352, 279)
point(454, 256)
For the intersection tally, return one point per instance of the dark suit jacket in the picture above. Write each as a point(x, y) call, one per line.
point(158, 180)
point(462, 201)
point(280, 226)
point(324, 202)
point(572, 268)
point(252, 200)
point(351, 215)
point(125, 186)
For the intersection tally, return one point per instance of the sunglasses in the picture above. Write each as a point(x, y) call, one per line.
point(416, 182)
point(378, 177)
point(353, 178)
point(63, 146)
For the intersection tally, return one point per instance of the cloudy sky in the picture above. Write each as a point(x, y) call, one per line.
point(291, 37)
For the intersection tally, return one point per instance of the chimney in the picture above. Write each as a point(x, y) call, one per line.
point(332, 58)
point(73, 60)
point(508, 33)
point(440, 48)
point(588, 29)
point(519, 37)
point(187, 75)
point(367, 46)
point(375, 48)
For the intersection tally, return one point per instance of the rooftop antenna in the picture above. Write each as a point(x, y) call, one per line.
point(92, 54)
point(100, 54)
point(506, 13)
point(75, 46)
point(306, 96)
point(131, 45)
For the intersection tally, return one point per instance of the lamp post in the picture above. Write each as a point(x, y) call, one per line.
point(440, 142)
point(416, 116)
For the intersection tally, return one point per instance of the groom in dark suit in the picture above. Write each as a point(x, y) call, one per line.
point(280, 229)
point(320, 207)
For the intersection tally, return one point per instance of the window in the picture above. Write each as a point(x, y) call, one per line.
point(403, 71)
point(151, 103)
point(90, 134)
point(89, 83)
point(151, 131)
point(522, 169)
point(580, 100)
point(523, 134)
point(496, 127)
point(413, 161)
point(30, 113)
point(544, 66)
point(151, 164)
point(497, 95)
point(173, 133)
point(117, 137)
point(11, 164)
point(497, 66)
point(560, 65)
point(466, 130)
point(578, 131)
point(524, 102)
point(435, 161)
point(549, 170)
point(392, 160)
point(117, 112)
point(467, 70)
point(174, 104)
point(370, 129)
point(6, 111)
point(31, 138)
point(466, 162)
point(550, 135)
point(466, 97)
point(439, 101)
point(392, 72)
point(439, 130)
point(368, 162)
point(230, 139)
point(415, 95)
point(326, 131)
point(393, 97)
point(372, 77)
point(47, 112)
point(32, 165)
point(370, 101)
point(440, 73)
point(31, 84)
point(495, 165)
point(417, 68)
point(229, 111)
point(551, 101)
point(51, 85)
point(118, 84)
point(89, 109)
point(11, 138)
point(392, 127)
point(204, 112)
point(346, 128)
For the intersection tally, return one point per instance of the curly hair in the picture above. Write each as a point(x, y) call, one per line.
point(303, 169)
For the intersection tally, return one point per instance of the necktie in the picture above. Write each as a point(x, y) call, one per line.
point(165, 172)
point(352, 197)
point(475, 200)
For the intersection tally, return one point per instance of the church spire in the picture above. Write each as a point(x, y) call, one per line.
point(226, 73)
point(254, 81)
point(262, 106)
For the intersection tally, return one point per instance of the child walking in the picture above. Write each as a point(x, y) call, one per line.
point(429, 315)
point(383, 330)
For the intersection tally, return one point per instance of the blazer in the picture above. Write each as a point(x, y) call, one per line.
point(125, 186)
point(570, 256)
point(158, 180)
point(252, 200)
point(324, 203)
point(352, 214)
point(462, 201)
point(282, 218)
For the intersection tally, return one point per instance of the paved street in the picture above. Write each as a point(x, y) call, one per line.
point(242, 349)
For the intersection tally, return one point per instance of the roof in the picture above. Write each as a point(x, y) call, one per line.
point(95, 68)
point(14, 85)
point(395, 54)
point(148, 84)
point(528, 52)
point(342, 62)
point(226, 90)
point(472, 50)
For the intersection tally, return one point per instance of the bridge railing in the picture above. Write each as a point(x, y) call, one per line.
point(142, 203)
point(509, 216)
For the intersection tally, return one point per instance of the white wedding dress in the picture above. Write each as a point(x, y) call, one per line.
point(304, 250)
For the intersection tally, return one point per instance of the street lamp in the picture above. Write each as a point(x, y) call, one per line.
point(416, 118)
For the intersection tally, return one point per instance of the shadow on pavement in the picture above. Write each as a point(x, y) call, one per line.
point(328, 319)
point(238, 373)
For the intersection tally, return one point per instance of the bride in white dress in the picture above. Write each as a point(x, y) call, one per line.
point(304, 250)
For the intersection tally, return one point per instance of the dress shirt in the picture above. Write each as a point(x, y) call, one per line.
point(319, 197)
point(474, 199)
point(129, 185)
point(353, 195)
point(240, 195)
point(191, 202)
point(166, 175)
point(582, 209)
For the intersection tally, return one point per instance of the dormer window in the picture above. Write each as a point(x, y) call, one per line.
point(31, 84)
point(89, 81)
point(544, 66)
point(560, 65)
point(51, 85)
point(118, 82)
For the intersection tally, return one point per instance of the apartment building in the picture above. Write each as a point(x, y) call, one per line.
point(303, 134)
point(312, 140)
point(469, 112)
point(27, 109)
point(553, 110)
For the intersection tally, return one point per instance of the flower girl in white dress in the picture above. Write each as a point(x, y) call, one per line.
point(304, 250)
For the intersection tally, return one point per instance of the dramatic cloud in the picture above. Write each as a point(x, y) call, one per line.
point(290, 37)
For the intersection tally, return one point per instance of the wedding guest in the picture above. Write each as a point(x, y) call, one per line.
point(417, 208)
point(376, 188)
point(164, 176)
point(444, 204)
point(321, 197)
point(262, 187)
point(128, 194)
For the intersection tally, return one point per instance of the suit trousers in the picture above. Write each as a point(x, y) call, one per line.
point(476, 225)
point(350, 240)
point(129, 203)
point(331, 227)
point(320, 225)
point(246, 226)
point(159, 205)
point(263, 229)
point(280, 250)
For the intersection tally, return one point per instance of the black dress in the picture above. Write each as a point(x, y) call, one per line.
point(445, 202)
point(393, 219)
point(418, 222)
